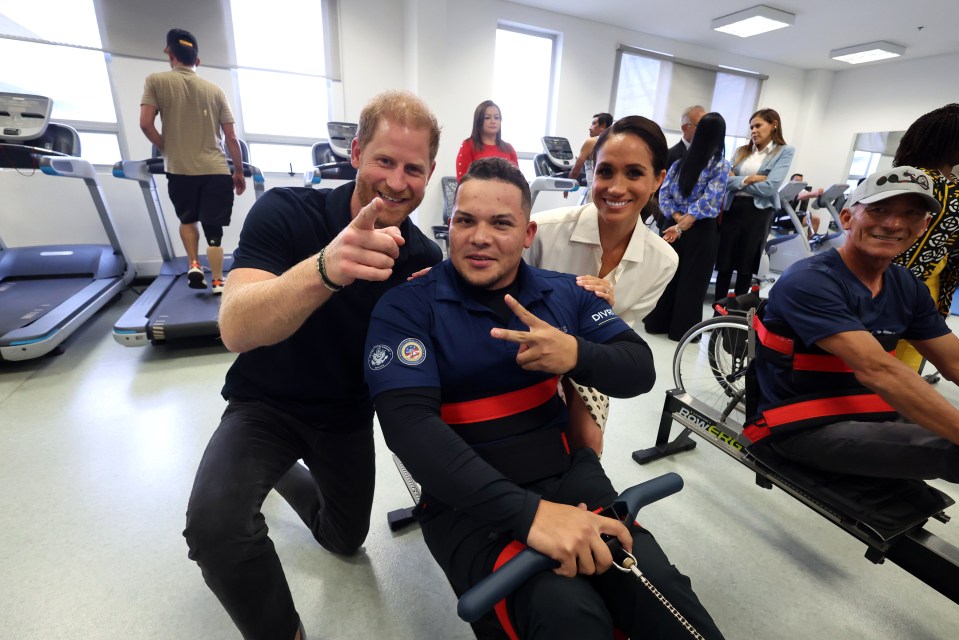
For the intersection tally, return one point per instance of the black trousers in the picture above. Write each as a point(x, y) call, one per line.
point(255, 449)
point(897, 449)
point(681, 305)
point(742, 240)
point(552, 607)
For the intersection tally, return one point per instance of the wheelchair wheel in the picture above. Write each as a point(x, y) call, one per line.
point(710, 362)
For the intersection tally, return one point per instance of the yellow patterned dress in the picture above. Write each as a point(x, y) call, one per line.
point(934, 257)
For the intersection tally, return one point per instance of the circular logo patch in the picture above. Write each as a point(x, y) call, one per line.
point(411, 352)
point(380, 356)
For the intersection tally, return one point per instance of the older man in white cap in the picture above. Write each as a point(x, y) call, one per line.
point(830, 394)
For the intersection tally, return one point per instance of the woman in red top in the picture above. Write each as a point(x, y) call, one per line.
point(486, 139)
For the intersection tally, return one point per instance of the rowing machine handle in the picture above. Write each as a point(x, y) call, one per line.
point(502, 582)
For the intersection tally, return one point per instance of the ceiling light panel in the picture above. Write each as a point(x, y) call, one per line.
point(869, 52)
point(753, 21)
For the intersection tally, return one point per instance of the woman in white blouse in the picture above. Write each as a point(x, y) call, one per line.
point(752, 194)
point(605, 242)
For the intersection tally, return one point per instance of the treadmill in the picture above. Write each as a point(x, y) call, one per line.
point(832, 200)
point(48, 292)
point(169, 309)
point(556, 161)
point(332, 159)
point(557, 158)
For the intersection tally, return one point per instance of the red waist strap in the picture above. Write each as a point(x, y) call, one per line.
point(800, 361)
point(843, 407)
point(771, 340)
point(506, 404)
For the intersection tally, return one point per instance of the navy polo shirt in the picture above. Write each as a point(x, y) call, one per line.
point(819, 297)
point(429, 333)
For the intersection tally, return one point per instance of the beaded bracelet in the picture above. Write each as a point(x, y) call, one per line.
point(321, 267)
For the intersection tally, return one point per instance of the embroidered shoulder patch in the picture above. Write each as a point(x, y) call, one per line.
point(411, 352)
point(379, 357)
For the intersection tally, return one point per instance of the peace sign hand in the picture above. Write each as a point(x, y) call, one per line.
point(543, 347)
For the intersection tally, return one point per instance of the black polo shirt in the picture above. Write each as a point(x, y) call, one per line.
point(317, 372)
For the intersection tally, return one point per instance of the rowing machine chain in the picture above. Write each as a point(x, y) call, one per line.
point(629, 566)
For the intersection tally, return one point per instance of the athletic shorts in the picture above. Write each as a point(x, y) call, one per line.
point(207, 199)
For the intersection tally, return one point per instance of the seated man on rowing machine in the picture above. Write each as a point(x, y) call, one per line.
point(830, 396)
point(463, 365)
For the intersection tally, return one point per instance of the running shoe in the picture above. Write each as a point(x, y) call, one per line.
point(195, 276)
point(217, 285)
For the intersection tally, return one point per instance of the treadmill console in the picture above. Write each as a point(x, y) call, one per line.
point(341, 138)
point(834, 192)
point(834, 197)
point(558, 151)
point(791, 190)
point(23, 116)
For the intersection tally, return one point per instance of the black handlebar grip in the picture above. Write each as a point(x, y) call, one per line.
point(484, 595)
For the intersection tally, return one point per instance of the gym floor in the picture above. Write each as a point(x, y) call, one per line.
point(99, 448)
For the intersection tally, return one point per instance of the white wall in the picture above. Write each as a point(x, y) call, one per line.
point(445, 55)
point(882, 97)
point(443, 51)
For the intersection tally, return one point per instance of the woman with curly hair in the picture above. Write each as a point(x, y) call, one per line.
point(932, 144)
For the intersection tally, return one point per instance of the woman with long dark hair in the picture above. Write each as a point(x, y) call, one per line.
point(752, 194)
point(486, 140)
point(932, 144)
point(606, 244)
point(691, 198)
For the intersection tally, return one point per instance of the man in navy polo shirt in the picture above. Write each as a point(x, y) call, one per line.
point(463, 365)
point(831, 396)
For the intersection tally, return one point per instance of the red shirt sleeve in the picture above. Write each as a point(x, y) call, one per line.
point(464, 158)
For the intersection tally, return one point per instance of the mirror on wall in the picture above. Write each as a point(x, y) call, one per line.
point(872, 151)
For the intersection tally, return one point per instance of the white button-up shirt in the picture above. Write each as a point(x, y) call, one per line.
point(567, 240)
point(750, 165)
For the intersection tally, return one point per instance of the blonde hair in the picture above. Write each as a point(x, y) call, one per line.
point(402, 107)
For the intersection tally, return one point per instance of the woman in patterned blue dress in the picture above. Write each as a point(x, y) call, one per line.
point(691, 199)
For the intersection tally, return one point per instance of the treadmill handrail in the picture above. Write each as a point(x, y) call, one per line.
point(142, 172)
point(53, 163)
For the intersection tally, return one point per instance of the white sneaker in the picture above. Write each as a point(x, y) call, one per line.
point(195, 276)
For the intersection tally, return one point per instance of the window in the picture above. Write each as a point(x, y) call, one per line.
point(523, 85)
point(864, 163)
point(83, 94)
point(284, 76)
point(658, 86)
point(732, 143)
point(736, 98)
point(872, 151)
point(99, 148)
point(281, 158)
point(47, 38)
point(64, 21)
point(281, 104)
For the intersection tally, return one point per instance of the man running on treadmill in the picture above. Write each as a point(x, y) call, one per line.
point(463, 364)
point(831, 397)
point(584, 161)
point(193, 112)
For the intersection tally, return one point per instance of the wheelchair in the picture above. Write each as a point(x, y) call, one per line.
point(710, 369)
